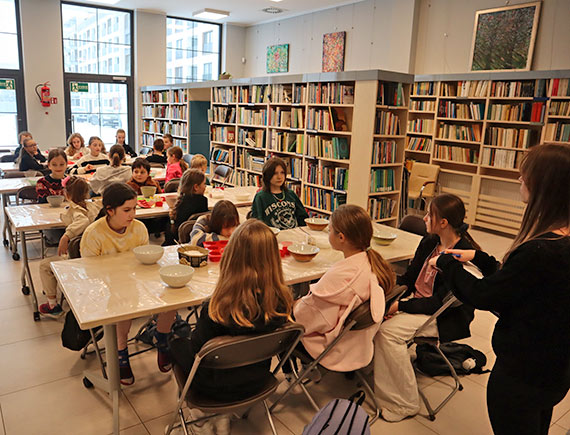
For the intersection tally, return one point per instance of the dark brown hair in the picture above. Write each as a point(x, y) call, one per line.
point(269, 169)
point(158, 145)
point(116, 154)
point(177, 152)
point(168, 136)
point(190, 179)
point(141, 162)
point(355, 224)
point(56, 152)
point(116, 194)
point(77, 190)
point(545, 171)
point(451, 208)
point(224, 215)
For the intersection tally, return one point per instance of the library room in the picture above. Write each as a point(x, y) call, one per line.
point(285, 217)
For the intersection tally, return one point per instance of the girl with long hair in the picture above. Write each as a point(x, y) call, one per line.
point(93, 159)
point(218, 225)
point(176, 165)
point(113, 173)
point(75, 146)
point(530, 292)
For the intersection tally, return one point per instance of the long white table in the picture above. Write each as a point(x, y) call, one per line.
point(104, 290)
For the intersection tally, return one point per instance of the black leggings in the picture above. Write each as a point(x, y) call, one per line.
point(518, 408)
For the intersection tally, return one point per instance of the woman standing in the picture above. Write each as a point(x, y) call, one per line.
point(530, 292)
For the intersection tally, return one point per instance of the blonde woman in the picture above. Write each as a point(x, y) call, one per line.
point(75, 147)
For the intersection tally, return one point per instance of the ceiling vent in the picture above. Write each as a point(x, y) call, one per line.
point(272, 10)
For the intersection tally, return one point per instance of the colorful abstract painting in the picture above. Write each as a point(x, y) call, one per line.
point(278, 58)
point(333, 51)
point(504, 38)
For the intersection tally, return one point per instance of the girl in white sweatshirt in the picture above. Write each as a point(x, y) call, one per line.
point(92, 160)
point(114, 173)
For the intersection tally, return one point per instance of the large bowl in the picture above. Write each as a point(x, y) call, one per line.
point(217, 194)
point(55, 200)
point(148, 254)
point(194, 256)
point(303, 252)
point(317, 224)
point(148, 191)
point(384, 237)
point(176, 275)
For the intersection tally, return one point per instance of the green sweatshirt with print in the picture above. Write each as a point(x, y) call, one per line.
point(283, 210)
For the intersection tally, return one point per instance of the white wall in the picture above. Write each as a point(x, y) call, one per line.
point(445, 33)
point(233, 50)
point(379, 36)
point(43, 62)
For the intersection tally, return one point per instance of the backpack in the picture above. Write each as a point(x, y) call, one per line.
point(180, 329)
point(342, 417)
point(73, 337)
point(430, 362)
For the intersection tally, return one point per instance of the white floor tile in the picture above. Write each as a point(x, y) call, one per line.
point(17, 324)
point(561, 413)
point(558, 430)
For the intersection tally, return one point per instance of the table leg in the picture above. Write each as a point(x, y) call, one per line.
point(27, 275)
point(11, 241)
point(113, 371)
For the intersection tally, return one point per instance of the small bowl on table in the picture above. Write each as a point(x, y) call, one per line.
point(384, 237)
point(303, 252)
point(243, 196)
point(176, 275)
point(317, 224)
point(171, 200)
point(55, 200)
point(217, 194)
point(148, 254)
point(194, 256)
point(148, 191)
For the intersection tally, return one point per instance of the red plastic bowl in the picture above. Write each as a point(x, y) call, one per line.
point(215, 256)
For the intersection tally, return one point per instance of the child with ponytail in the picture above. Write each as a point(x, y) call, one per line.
point(114, 173)
point(395, 381)
point(361, 276)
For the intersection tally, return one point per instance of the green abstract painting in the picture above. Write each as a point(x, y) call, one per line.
point(504, 38)
point(278, 58)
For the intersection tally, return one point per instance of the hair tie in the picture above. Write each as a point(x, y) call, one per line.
point(368, 249)
point(463, 228)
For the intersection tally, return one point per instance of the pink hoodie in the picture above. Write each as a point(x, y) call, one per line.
point(322, 312)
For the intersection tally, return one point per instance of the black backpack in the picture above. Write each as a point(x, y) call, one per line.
point(430, 362)
point(75, 338)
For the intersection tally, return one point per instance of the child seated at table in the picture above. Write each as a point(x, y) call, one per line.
point(157, 155)
point(31, 158)
point(361, 276)
point(176, 166)
point(250, 297)
point(93, 159)
point(190, 200)
point(120, 140)
point(77, 216)
point(276, 205)
point(168, 141)
point(51, 184)
point(218, 225)
point(141, 176)
point(118, 232)
point(75, 146)
point(21, 136)
point(113, 173)
point(201, 163)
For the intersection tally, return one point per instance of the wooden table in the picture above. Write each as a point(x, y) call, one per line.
point(104, 290)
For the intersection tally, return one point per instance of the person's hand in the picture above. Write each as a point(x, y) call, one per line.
point(63, 245)
point(89, 167)
point(463, 255)
point(391, 311)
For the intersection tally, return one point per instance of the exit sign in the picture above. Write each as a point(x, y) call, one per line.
point(79, 87)
point(7, 84)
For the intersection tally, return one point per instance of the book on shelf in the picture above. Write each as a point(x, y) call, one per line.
point(387, 123)
point(557, 132)
point(287, 118)
point(224, 95)
point(281, 93)
point(330, 119)
point(451, 109)
point(421, 125)
point(333, 148)
point(285, 141)
point(560, 88)
point(512, 89)
point(381, 208)
point(418, 143)
point(509, 137)
point(222, 134)
point(391, 94)
point(504, 159)
point(523, 112)
point(422, 105)
point(331, 93)
point(322, 199)
point(251, 137)
point(252, 116)
point(221, 156)
point(559, 108)
point(382, 180)
point(424, 88)
point(456, 154)
point(470, 133)
point(465, 88)
point(384, 152)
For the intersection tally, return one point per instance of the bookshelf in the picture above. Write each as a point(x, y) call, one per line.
point(332, 130)
point(483, 123)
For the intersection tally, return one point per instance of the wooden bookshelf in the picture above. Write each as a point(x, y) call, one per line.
point(508, 113)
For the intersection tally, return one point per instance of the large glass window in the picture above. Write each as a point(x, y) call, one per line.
point(192, 46)
point(12, 108)
point(97, 63)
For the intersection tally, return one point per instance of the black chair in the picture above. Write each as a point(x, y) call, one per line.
point(172, 185)
point(414, 224)
point(185, 228)
point(7, 158)
point(224, 172)
point(145, 151)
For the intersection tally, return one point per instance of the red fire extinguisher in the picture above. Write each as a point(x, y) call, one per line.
point(44, 94)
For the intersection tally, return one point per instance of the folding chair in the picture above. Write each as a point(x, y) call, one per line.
point(358, 319)
point(414, 224)
point(185, 229)
point(224, 172)
point(145, 151)
point(29, 195)
point(172, 185)
point(156, 165)
point(188, 158)
point(228, 352)
point(422, 184)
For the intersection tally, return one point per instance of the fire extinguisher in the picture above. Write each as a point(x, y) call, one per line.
point(44, 94)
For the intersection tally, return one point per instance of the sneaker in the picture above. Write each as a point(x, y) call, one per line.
point(204, 427)
point(222, 425)
point(127, 377)
point(46, 309)
point(163, 359)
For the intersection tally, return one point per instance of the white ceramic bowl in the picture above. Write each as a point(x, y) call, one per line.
point(317, 224)
point(303, 252)
point(384, 237)
point(217, 194)
point(243, 196)
point(176, 275)
point(55, 200)
point(148, 191)
point(148, 254)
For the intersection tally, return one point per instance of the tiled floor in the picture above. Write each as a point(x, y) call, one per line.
point(41, 391)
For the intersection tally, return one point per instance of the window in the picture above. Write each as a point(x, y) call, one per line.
point(97, 64)
point(12, 105)
point(190, 46)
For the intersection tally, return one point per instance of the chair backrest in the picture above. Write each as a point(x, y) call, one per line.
point(188, 158)
point(414, 224)
point(361, 316)
point(185, 228)
point(27, 193)
point(6, 158)
point(145, 150)
point(227, 352)
point(73, 247)
point(223, 171)
point(156, 165)
point(422, 173)
point(14, 174)
point(172, 186)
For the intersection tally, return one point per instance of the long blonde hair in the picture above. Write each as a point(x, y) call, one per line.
point(70, 150)
point(355, 224)
point(251, 284)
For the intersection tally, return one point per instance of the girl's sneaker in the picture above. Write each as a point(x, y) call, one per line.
point(127, 376)
point(55, 311)
point(164, 362)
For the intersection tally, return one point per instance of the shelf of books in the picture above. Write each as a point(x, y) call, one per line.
point(481, 129)
point(164, 111)
point(314, 122)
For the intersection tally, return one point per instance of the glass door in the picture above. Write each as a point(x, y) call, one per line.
point(10, 121)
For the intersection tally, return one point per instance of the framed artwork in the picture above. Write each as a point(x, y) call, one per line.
point(278, 58)
point(503, 38)
point(333, 51)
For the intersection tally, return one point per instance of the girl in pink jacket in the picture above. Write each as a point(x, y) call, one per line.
point(362, 275)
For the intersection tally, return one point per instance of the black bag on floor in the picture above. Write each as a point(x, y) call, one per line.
point(72, 336)
point(430, 362)
point(341, 417)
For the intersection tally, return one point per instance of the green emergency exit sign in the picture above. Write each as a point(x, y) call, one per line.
point(79, 87)
point(7, 84)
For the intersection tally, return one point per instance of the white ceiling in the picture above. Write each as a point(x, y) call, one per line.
point(242, 12)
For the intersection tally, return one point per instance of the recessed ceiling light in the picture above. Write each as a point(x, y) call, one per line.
point(272, 10)
point(276, 1)
point(106, 2)
point(210, 14)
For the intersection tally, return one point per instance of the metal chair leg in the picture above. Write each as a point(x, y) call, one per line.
point(370, 393)
point(273, 430)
